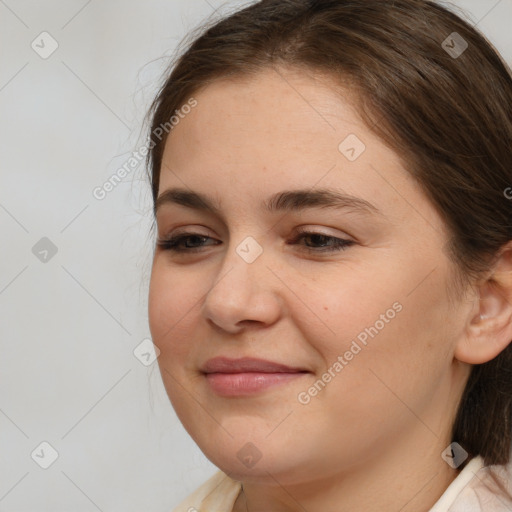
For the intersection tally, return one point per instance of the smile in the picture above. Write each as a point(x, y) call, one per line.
point(247, 376)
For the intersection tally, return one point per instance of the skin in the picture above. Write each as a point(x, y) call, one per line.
point(372, 438)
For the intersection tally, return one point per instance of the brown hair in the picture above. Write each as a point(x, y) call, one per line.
point(449, 117)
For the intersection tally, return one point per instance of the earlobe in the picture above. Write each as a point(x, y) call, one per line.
point(489, 328)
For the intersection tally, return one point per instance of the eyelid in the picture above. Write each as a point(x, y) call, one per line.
point(187, 228)
point(319, 231)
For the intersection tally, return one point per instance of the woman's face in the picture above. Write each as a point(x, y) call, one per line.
point(282, 353)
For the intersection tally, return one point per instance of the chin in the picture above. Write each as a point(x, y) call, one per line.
point(255, 458)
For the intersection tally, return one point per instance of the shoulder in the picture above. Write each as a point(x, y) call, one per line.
point(217, 494)
point(478, 488)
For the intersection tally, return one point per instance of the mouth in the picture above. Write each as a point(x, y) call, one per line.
point(247, 376)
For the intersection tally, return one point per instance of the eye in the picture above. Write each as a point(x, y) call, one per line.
point(323, 242)
point(193, 242)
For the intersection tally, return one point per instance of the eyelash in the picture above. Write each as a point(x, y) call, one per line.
point(173, 243)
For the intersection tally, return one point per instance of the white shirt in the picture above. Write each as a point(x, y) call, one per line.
point(474, 490)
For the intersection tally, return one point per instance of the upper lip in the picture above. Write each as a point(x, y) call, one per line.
point(245, 365)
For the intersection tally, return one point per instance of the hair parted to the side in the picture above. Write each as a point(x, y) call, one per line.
point(449, 119)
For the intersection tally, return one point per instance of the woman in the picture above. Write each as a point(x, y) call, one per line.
point(331, 290)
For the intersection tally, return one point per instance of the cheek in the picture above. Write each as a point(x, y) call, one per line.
point(171, 315)
point(335, 309)
point(381, 321)
point(402, 361)
point(171, 305)
point(160, 307)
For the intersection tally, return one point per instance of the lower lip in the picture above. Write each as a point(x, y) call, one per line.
point(239, 384)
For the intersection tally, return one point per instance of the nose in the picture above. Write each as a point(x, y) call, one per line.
point(244, 293)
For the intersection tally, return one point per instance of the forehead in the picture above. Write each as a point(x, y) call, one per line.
point(274, 122)
point(274, 106)
point(250, 137)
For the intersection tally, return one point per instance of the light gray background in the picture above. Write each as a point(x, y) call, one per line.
point(69, 326)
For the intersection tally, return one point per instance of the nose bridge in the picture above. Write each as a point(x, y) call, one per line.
point(242, 290)
point(245, 249)
point(242, 268)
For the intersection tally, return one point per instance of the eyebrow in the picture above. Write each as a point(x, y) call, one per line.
point(285, 201)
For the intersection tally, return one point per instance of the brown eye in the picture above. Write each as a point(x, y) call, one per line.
point(320, 242)
point(185, 242)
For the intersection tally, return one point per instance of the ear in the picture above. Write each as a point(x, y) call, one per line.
point(489, 328)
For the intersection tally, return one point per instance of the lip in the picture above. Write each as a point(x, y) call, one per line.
point(247, 376)
point(246, 364)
